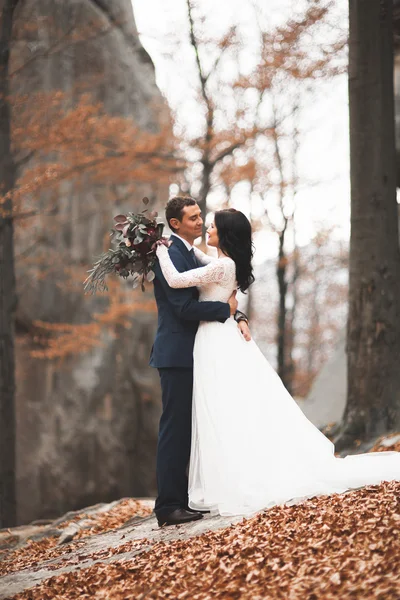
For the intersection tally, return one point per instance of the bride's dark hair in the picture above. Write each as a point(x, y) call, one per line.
point(234, 234)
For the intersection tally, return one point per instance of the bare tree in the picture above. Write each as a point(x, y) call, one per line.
point(282, 225)
point(214, 147)
point(295, 262)
point(373, 336)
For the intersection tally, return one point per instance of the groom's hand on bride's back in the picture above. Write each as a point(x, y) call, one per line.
point(233, 303)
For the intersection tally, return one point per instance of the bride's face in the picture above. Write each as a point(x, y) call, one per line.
point(213, 236)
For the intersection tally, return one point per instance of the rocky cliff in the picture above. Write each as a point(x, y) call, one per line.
point(86, 427)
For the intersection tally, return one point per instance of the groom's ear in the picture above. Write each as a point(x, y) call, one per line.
point(174, 224)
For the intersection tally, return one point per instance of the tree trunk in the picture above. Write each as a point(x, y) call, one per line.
point(290, 326)
point(7, 285)
point(281, 269)
point(373, 336)
point(203, 193)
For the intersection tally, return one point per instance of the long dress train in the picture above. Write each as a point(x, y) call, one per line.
point(252, 447)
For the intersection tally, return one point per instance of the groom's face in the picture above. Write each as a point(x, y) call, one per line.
point(190, 225)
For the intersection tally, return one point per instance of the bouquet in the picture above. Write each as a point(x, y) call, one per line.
point(137, 236)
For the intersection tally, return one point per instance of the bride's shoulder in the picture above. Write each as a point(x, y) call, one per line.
point(228, 262)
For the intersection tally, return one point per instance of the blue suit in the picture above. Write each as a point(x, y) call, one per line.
point(179, 314)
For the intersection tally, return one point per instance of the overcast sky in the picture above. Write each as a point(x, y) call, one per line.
point(324, 156)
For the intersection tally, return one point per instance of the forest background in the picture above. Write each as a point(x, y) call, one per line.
point(250, 111)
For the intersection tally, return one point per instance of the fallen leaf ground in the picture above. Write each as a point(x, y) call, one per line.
point(331, 547)
point(36, 552)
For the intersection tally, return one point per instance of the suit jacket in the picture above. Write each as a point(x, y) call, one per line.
point(179, 313)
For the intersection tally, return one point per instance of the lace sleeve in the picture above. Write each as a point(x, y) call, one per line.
point(212, 273)
point(203, 259)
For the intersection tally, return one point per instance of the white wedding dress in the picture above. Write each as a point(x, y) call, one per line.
point(252, 447)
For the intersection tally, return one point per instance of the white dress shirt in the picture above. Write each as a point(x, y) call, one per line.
point(188, 246)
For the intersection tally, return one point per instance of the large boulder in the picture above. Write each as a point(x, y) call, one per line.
point(326, 401)
point(86, 426)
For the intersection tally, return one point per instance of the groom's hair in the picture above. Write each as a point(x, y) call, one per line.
point(175, 206)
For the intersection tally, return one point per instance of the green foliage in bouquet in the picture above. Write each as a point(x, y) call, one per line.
point(135, 254)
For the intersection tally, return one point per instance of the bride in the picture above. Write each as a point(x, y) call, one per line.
point(252, 447)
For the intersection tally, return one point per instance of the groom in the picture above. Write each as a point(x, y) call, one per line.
point(179, 314)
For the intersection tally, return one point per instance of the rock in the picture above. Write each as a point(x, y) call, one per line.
point(10, 539)
point(48, 532)
point(87, 428)
point(69, 533)
point(390, 441)
point(105, 547)
point(90, 510)
point(326, 401)
point(16, 537)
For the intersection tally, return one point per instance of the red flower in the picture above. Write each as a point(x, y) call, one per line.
point(152, 232)
point(142, 247)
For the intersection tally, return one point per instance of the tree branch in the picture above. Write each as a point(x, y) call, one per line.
point(227, 152)
point(193, 41)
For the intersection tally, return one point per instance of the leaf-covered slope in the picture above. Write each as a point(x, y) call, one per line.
point(340, 546)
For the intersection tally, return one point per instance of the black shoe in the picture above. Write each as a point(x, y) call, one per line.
point(197, 510)
point(178, 516)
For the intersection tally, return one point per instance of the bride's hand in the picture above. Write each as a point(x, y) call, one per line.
point(162, 243)
point(245, 330)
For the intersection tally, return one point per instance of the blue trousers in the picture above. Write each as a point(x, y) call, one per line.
point(173, 449)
